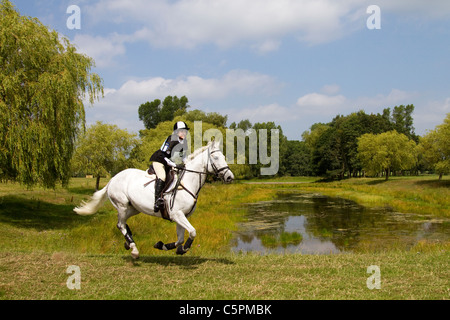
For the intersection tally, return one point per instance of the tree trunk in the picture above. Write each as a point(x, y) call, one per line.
point(440, 176)
point(387, 173)
point(97, 183)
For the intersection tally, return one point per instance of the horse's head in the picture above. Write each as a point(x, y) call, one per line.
point(217, 163)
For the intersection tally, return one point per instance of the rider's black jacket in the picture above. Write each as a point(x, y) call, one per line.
point(171, 144)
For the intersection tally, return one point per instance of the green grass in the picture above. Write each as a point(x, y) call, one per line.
point(404, 275)
point(40, 236)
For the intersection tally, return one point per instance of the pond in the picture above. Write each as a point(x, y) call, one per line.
point(316, 224)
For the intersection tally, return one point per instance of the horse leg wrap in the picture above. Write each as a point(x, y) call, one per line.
point(128, 230)
point(183, 249)
point(188, 244)
point(129, 239)
point(170, 246)
point(180, 250)
point(161, 246)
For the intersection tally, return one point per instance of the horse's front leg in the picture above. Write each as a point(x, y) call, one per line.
point(183, 224)
point(170, 246)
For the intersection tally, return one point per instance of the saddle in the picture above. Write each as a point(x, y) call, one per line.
point(170, 177)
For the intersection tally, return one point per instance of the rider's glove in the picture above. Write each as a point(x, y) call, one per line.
point(180, 166)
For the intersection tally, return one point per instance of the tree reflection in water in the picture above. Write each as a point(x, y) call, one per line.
point(316, 224)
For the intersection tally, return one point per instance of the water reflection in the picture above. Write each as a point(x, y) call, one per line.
point(316, 224)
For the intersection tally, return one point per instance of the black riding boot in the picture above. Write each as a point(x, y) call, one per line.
point(159, 201)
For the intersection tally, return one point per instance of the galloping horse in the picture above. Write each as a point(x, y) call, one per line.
point(130, 193)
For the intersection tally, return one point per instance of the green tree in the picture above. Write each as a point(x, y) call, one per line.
point(297, 159)
point(212, 117)
point(386, 152)
point(348, 129)
point(103, 150)
point(44, 82)
point(402, 121)
point(243, 124)
point(325, 155)
point(435, 148)
point(152, 113)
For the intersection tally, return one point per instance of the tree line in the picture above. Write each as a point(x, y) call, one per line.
point(354, 145)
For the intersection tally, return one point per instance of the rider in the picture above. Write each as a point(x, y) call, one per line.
point(161, 159)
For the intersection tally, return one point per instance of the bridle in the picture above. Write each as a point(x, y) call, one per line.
point(217, 171)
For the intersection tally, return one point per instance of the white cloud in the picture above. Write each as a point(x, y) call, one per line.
point(330, 104)
point(316, 103)
point(241, 82)
point(431, 115)
point(102, 49)
point(377, 103)
point(264, 113)
point(259, 23)
point(121, 105)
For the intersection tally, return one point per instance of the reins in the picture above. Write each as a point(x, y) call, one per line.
point(200, 173)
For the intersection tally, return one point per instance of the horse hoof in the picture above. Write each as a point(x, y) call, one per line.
point(181, 251)
point(135, 256)
point(134, 251)
point(126, 245)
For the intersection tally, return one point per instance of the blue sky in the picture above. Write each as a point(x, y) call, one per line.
point(295, 62)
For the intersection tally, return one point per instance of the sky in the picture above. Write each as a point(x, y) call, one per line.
point(294, 62)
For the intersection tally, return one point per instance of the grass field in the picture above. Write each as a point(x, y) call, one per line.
point(40, 275)
point(40, 237)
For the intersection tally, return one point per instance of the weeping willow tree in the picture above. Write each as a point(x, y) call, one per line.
point(43, 83)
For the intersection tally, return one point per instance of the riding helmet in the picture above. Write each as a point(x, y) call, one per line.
point(180, 125)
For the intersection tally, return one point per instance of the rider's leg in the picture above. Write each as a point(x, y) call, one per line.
point(159, 184)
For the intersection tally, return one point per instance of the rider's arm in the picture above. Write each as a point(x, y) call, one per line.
point(170, 162)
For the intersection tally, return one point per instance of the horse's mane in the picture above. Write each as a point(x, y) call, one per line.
point(198, 151)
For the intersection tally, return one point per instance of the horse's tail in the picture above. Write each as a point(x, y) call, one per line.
point(92, 206)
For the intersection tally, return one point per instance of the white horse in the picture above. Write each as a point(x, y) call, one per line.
point(131, 193)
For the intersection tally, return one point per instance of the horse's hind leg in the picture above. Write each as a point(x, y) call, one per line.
point(124, 215)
